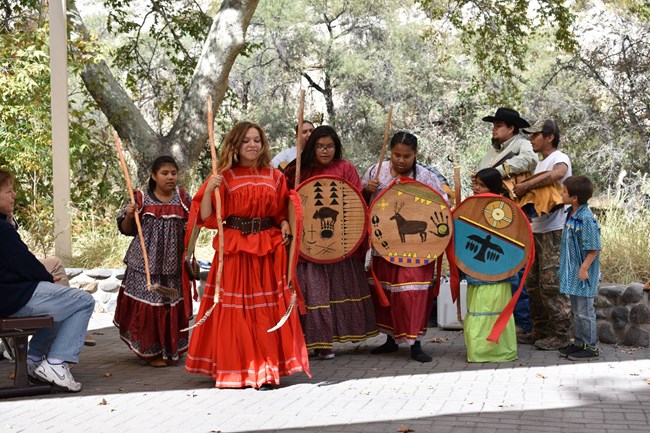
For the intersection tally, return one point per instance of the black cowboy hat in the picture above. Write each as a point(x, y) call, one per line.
point(508, 116)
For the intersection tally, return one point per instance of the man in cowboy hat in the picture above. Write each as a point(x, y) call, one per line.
point(550, 309)
point(510, 153)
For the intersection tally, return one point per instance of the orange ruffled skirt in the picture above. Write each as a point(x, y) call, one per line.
point(233, 345)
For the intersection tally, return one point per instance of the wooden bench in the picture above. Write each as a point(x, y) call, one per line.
point(19, 329)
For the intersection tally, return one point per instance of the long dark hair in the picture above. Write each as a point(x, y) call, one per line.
point(492, 180)
point(155, 166)
point(308, 154)
point(407, 139)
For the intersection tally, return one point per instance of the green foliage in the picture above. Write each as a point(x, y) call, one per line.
point(496, 33)
point(25, 131)
point(638, 8)
point(97, 242)
point(25, 143)
point(161, 42)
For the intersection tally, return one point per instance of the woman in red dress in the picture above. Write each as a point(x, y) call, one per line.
point(233, 345)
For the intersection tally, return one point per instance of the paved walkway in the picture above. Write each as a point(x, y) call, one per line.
point(355, 392)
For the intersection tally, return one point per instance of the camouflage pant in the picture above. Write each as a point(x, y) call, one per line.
point(550, 310)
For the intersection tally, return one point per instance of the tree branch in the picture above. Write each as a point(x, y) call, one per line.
point(224, 42)
point(114, 102)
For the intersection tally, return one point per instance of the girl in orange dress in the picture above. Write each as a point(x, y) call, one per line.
point(233, 345)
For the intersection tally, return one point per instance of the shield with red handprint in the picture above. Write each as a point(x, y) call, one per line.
point(410, 223)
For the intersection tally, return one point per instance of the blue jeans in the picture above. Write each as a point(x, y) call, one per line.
point(584, 320)
point(71, 309)
point(522, 307)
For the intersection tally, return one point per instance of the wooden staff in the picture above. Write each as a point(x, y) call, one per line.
point(299, 137)
point(291, 249)
point(383, 147)
point(458, 199)
point(217, 198)
point(165, 291)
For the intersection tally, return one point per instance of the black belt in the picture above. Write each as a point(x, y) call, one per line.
point(249, 225)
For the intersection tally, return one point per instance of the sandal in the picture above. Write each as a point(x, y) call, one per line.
point(158, 363)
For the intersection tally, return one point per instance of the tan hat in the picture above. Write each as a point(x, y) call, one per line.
point(547, 126)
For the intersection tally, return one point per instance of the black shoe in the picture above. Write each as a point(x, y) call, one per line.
point(586, 353)
point(420, 356)
point(570, 349)
point(266, 387)
point(387, 347)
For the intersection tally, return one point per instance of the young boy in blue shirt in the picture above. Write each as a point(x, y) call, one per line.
point(579, 266)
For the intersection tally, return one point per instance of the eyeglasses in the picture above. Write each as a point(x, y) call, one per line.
point(327, 148)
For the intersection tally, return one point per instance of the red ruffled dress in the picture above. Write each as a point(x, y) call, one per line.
point(233, 345)
point(149, 323)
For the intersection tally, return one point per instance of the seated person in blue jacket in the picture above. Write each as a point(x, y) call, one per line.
point(27, 289)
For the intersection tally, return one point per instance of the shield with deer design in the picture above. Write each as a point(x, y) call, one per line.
point(492, 237)
point(410, 223)
point(335, 218)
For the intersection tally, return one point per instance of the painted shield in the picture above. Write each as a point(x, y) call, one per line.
point(492, 237)
point(410, 223)
point(335, 219)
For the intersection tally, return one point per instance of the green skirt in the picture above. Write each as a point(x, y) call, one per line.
point(484, 304)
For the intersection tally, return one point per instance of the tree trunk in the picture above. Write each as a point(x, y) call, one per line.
point(189, 132)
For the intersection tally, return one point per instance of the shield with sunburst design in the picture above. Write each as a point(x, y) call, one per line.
point(492, 237)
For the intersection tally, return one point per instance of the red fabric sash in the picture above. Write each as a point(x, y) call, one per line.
point(189, 286)
point(504, 317)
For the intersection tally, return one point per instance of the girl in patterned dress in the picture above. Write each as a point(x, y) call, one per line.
point(409, 290)
point(149, 323)
point(233, 344)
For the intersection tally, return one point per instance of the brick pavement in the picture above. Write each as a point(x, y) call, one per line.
point(355, 392)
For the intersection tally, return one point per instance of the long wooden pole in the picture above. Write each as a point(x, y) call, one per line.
point(217, 198)
point(116, 138)
point(291, 249)
point(457, 200)
point(385, 145)
point(301, 107)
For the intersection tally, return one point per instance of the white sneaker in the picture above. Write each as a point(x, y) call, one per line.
point(57, 375)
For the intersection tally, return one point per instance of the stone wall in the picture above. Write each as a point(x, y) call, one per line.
point(104, 285)
point(622, 311)
point(623, 314)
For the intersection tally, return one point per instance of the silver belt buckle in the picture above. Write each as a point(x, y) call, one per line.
point(256, 225)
